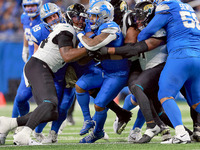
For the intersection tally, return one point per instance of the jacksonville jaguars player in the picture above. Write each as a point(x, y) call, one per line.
point(182, 66)
point(121, 14)
point(51, 15)
point(29, 18)
point(106, 32)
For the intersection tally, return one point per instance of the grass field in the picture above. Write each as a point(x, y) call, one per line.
point(69, 139)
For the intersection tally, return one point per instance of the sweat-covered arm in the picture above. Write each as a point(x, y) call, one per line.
point(65, 44)
point(158, 21)
point(70, 54)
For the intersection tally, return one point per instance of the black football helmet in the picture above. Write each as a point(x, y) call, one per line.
point(76, 15)
point(144, 12)
point(120, 8)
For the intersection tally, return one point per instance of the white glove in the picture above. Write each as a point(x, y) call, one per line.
point(25, 53)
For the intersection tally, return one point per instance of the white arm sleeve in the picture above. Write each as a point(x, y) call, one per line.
point(112, 36)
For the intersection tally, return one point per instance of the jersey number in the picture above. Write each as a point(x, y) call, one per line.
point(36, 28)
point(43, 42)
point(189, 20)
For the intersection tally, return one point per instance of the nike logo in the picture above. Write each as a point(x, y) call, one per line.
point(182, 135)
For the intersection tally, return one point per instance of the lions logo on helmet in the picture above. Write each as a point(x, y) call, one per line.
point(49, 9)
point(104, 12)
point(92, 1)
point(31, 11)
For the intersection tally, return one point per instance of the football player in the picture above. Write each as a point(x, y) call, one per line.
point(51, 15)
point(106, 32)
point(29, 18)
point(182, 66)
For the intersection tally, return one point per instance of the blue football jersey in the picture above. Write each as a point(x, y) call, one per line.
point(39, 33)
point(113, 66)
point(27, 25)
point(181, 25)
point(185, 24)
point(119, 40)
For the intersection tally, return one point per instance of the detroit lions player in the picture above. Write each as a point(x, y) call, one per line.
point(114, 70)
point(75, 13)
point(29, 18)
point(51, 15)
point(121, 14)
point(182, 66)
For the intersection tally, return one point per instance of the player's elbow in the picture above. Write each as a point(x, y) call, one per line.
point(67, 59)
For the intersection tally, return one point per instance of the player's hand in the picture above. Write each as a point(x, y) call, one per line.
point(102, 51)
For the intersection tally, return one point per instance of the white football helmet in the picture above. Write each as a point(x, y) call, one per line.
point(158, 1)
point(31, 12)
point(49, 9)
point(92, 1)
point(104, 12)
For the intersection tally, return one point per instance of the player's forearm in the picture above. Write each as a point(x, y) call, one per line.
point(72, 54)
point(97, 42)
point(129, 50)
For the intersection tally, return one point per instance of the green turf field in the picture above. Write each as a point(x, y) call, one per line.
point(70, 137)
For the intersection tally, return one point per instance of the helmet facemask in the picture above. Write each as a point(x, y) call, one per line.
point(48, 10)
point(100, 12)
point(31, 7)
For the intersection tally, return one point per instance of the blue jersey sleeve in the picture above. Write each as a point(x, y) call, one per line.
point(154, 25)
point(39, 33)
point(36, 34)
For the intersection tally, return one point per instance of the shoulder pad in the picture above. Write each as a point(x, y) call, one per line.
point(128, 19)
point(111, 30)
point(110, 27)
point(64, 27)
point(162, 8)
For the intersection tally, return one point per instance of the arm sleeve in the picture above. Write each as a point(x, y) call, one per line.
point(131, 49)
point(158, 21)
point(63, 39)
point(106, 41)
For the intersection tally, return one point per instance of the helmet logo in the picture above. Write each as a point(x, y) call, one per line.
point(123, 6)
point(148, 8)
point(72, 6)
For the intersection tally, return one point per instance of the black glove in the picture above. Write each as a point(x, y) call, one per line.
point(100, 54)
point(102, 51)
